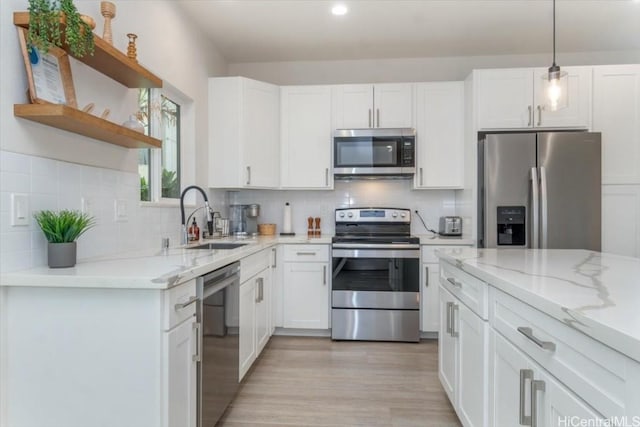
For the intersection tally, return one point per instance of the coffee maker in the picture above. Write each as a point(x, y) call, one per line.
point(244, 219)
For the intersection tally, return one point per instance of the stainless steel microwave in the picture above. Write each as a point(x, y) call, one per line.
point(374, 152)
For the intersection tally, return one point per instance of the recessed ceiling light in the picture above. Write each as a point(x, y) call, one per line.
point(339, 9)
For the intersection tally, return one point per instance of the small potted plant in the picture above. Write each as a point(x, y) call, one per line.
point(56, 23)
point(61, 230)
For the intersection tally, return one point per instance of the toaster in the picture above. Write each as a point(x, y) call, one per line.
point(450, 226)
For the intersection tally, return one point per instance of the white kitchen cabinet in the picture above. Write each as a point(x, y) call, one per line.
point(439, 122)
point(372, 106)
point(512, 376)
point(514, 98)
point(463, 365)
point(306, 286)
point(616, 113)
point(621, 219)
point(305, 137)
point(244, 133)
point(181, 374)
point(263, 310)
point(248, 350)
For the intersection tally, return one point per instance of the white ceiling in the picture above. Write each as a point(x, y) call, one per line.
point(298, 30)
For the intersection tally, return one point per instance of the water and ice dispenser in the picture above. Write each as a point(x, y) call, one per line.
point(511, 226)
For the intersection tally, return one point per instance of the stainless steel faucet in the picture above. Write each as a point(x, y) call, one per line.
point(184, 235)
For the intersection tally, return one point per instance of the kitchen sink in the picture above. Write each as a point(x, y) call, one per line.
point(217, 245)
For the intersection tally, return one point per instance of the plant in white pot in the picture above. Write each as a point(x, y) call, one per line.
point(61, 230)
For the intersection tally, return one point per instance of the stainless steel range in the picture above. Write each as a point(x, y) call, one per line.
point(375, 287)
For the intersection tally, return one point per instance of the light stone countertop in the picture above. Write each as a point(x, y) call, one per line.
point(595, 293)
point(148, 269)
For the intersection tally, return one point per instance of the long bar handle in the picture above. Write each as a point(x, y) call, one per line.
point(326, 177)
point(370, 118)
point(196, 328)
point(248, 175)
point(530, 114)
point(454, 309)
point(536, 386)
point(535, 209)
point(525, 374)
point(449, 304)
point(426, 276)
point(528, 332)
point(257, 290)
point(544, 207)
point(182, 305)
point(305, 253)
point(261, 283)
point(421, 176)
point(275, 257)
point(378, 116)
point(539, 115)
point(454, 282)
point(324, 274)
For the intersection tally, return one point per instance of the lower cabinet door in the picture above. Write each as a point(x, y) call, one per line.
point(181, 386)
point(247, 352)
point(430, 302)
point(306, 295)
point(263, 312)
point(447, 346)
point(472, 386)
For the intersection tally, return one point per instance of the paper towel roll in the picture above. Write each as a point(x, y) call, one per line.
point(286, 222)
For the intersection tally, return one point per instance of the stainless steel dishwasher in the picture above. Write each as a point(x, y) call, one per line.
point(219, 315)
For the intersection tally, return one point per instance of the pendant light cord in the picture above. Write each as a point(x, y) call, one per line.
point(554, 32)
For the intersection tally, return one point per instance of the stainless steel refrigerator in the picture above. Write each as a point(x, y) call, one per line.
point(539, 190)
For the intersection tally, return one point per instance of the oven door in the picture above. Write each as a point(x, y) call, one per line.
point(376, 278)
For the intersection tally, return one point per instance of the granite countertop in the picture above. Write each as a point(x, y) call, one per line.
point(435, 240)
point(148, 269)
point(595, 293)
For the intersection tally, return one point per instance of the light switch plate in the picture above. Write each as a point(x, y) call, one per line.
point(20, 212)
point(120, 207)
point(86, 206)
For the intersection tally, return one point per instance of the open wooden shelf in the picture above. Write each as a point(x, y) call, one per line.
point(77, 121)
point(109, 61)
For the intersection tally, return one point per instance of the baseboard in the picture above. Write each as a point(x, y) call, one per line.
point(294, 332)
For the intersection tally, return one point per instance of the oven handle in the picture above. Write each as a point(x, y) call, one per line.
point(376, 253)
point(375, 246)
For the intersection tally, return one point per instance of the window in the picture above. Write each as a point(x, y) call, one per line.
point(160, 170)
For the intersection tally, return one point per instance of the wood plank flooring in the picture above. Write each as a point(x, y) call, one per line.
point(318, 382)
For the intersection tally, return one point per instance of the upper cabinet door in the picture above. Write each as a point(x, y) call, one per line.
point(393, 105)
point(504, 98)
point(577, 113)
point(305, 137)
point(616, 113)
point(261, 139)
point(440, 135)
point(352, 106)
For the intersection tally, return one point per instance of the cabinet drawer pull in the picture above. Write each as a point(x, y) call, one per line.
point(536, 385)
point(539, 115)
point(454, 308)
point(182, 305)
point(305, 253)
point(378, 116)
point(525, 374)
point(426, 277)
point(454, 282)
point(324, 274)
point(449, 304)
point(248, 175)
point(370, 118)
point(530, 114)
point(275, 256)
point(326, 177)
point(528, 332)
point(421, 176)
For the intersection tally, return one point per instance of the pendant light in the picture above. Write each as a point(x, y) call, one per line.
point(555, 80)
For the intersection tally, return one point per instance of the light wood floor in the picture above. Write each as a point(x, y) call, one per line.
point(318, 382)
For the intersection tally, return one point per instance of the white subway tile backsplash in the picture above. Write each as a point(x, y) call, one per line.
point(14, 162)
point(44, 167)
point(15, 182)
point(43, 184)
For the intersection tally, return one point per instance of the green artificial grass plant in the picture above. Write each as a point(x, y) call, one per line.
point(64, 226)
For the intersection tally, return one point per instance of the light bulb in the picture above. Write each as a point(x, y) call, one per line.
point(339, 10)
point(554, 92)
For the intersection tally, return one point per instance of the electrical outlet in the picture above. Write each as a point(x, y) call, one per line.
point(20, 213)
point(120, 208)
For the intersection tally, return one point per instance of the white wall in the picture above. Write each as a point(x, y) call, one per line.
point(46, 157)
point(410, 69)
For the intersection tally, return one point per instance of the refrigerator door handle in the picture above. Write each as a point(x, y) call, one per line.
point(543, 207)
point(535, 210)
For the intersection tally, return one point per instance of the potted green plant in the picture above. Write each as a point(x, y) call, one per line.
point(61, 230)
point(56, 23)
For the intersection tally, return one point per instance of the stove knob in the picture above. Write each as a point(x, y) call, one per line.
point(403, 214)
point(341, 214)
point(395, 214)
point(350, 214)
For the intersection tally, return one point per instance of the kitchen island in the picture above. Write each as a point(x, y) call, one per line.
point(541, 334)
